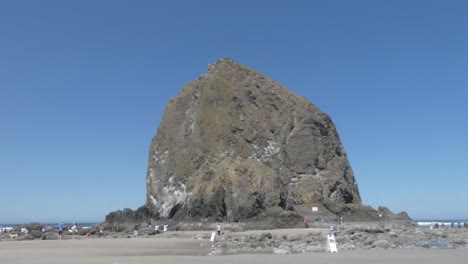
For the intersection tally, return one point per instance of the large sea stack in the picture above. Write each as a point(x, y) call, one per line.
point(235, 144)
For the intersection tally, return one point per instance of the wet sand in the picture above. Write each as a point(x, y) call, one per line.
point(183, 250)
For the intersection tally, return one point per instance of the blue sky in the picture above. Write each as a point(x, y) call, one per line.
point(83, 87)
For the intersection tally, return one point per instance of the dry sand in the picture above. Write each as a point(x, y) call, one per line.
point(183, 250)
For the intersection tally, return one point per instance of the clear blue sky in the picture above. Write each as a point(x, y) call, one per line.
point(83, 87)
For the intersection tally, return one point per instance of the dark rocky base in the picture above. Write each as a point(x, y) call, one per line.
point(272, 219)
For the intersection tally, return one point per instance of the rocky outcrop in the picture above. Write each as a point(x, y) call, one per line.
point(236, 145)
point(129, 216)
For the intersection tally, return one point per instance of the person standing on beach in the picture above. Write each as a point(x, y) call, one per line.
point(165, 228)
point(135, 230)
point(156, 229)
point(218, 229)
point(74, 229)
point(60, 230)
point(306, 222)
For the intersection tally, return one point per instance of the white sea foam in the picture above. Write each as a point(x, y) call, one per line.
point(447, 223)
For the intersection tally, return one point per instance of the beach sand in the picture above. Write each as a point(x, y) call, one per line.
point(183, 250)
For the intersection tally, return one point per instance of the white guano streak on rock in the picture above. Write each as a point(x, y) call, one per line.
point(156, 156)
point(253, 155)
point(151, 176)
point(272, 149)
point(171, 197)
point(153, 200)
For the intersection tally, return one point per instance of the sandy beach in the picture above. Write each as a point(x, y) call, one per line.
point(185, 250)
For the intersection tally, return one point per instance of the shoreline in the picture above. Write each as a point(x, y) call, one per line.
point(349, 236)
point(182, 250)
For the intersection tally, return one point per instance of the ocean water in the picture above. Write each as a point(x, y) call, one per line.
point(51, 226)
point(445, 223)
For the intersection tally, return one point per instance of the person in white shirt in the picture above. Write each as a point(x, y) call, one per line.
point(74, 229)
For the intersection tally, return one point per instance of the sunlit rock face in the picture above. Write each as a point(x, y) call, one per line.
point(236, 145)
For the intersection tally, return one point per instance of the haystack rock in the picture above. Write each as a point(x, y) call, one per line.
point(235, 145)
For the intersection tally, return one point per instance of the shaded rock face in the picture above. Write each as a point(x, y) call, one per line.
point(235, 145)
point(127, 215)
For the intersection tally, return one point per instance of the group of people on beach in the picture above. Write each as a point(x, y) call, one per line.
point(61, 227)
point(156, 229)
point(165, 228)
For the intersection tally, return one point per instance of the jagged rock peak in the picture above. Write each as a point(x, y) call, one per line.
point(235, 145)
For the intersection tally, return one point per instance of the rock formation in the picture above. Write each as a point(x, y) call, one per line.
point(235, 145)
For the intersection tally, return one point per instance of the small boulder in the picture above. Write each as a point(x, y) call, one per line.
point(381, 244)
point(283, 250)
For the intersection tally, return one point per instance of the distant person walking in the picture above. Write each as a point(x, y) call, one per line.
point(165, 228)
point(156, 228)
point(306, 222)
point(101, 231)
point(60, 230)
point(74, 230)
point(218, 229)
point(135, 230)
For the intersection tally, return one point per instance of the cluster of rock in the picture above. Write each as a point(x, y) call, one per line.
point(129, 216)
point(390, 235)
point(29, 231)
point(271, 242)
point(38, 231)
point(348, 237)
